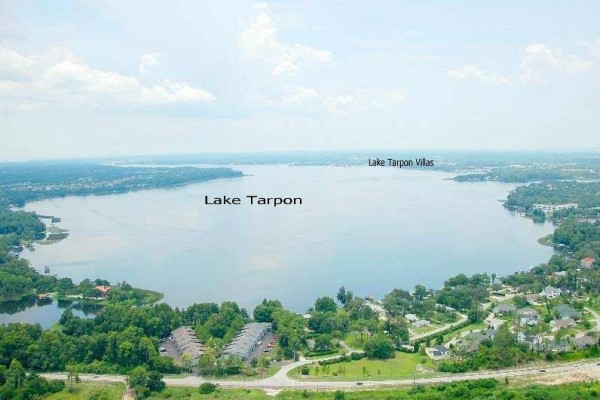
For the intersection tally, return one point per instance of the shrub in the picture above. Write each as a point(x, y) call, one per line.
point(207, 388)
point(339, 395)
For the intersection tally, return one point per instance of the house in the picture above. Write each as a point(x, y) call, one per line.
point(550, 292)
point(560, 273)
point(527, 313)
point(566, 311)
point(560, 345)
point(504, 309)
point(438, 352)
point(102, 289)
point(530, 321)
point(411, 317)
point(532, 341)
point(421, 323)
point(532, 298)
point(584, 341)
point(562, 323)
point(587, 262)
point(483, 335)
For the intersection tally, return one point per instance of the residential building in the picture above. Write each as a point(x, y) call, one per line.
point(504, 309)
point(550, 208)
point(532, 298)
point(411, 317)
point(566, 311)
point(438, 352)
point(587, 262)
point(186, 342)
point(562, 323)
point(550, 292)
point(421, 323)
point(247, 340)
point(584, 341)
point(527, 313)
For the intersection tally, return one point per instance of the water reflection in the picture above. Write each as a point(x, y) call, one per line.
point(45, 311)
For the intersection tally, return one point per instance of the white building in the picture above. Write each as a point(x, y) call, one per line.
point(550, 292)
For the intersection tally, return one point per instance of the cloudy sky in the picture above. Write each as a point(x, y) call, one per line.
point(97, 78)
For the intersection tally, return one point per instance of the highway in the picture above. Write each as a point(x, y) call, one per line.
point(585, 369)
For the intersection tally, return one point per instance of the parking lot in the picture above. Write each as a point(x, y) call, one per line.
point(264, 345)
point(169, 345)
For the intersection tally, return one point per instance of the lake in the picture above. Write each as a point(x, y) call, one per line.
point(369, 229)
point(44, 312)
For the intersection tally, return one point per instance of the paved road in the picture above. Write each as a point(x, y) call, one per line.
point(281, 381)
point(597, 316)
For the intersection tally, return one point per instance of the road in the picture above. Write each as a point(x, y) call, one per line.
point(597, 317)
point(280, 380)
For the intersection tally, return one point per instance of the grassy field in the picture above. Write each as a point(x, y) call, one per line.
point(224, 394)
point(452, 391)
point(354, 341)
point(403, 366)
point(272, 370)
point(468, 328)
point(426, 329)
point(83, 391)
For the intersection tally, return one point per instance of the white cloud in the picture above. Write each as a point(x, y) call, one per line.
point(539, 58)
point(147, 60)
point(59, 75)
point(260, 42)
point(310, 98)
point(472, 72)
point(13, 65)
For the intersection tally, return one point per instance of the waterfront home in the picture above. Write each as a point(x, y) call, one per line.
point(563, 323)
point(587, 262)
point(550, 208)
point(560, 273)
point(566, 311)
point(550, 292)
point(102, 289)
point(584, 341)
point(504, 309)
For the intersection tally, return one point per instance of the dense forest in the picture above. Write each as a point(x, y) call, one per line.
point(24, 182)
point(585, 194)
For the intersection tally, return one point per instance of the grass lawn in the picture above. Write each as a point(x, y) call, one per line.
point(175, 393)
point(426, 329)
point(468, 328)
point(403, 366)
point(83, 391)
point(272, 370)
point(354, 341)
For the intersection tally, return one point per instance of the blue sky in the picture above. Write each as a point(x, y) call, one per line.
point(98, 78)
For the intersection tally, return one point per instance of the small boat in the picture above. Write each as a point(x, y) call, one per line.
point(46, 269)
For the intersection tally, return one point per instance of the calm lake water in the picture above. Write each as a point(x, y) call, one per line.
point(369, 229)
point(46, 312)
